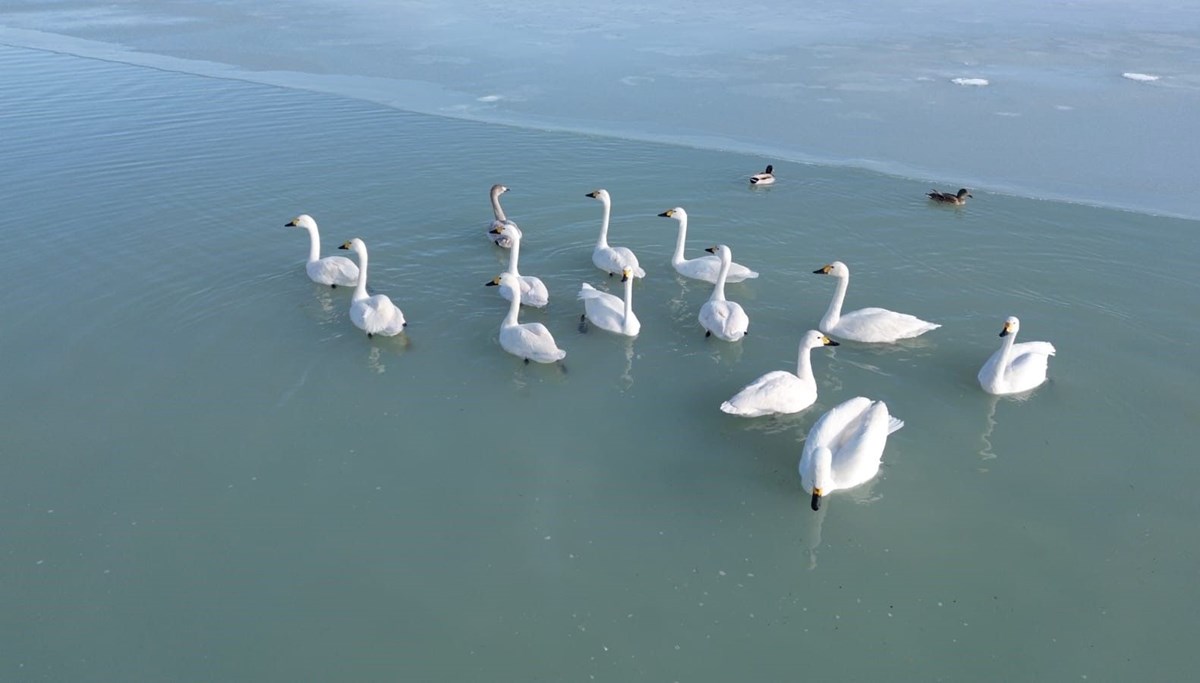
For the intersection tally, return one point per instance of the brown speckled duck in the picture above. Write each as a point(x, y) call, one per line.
point(947, 198)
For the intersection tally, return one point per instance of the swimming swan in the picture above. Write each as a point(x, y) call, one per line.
point(372, 314)
point(499, 220)
point(703, 268)
point(533, 290)
point(721, 317)
point(610, 312)
point(844, 447)
point(528, 341)
point(1014, 367)
point(331, 270)
point(612, 260)
point(767, 177)
point(781, 392)
point(866, 324)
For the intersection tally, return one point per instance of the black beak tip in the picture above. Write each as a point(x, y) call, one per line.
point(711, 250)
point(819, 271)
point(343, 247)
point(665, 214)
point(816, 502)
point(833, 343)
point(490, 283)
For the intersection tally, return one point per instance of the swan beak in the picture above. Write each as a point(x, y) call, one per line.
point(668, 213)
point(829, 342)
point(624, 275)
point(590, 194)
point(1006, 331)
point(492, 283)
point(823, 270)
point(816, 500)
point(345, 246)
point(711, 250)
point(290, 224)
point(496, 231)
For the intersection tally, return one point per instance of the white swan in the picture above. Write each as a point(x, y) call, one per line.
point(612, 260)
point(844, 447)
point(610, 312)
point(781, 392)
point(1014, 368)
point(767, 177)
point(499, 219)
point(372, 314)
point(528, 341)
point(705, 267)
point(866, 324)
point(721, 317)
point(533, 290)
point(331, 270)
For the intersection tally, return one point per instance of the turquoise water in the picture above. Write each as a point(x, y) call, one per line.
point(210, 474)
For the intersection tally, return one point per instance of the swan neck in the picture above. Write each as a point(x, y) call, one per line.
point(499, 212)
point(679, 242)
point(834, 313)
point(628, 301)
point(603, 241)
point(314, 245)
point(514, 255)
point(1006, 348)
point(360, 289)
point(804, 364)
point(823, 468)
point(719, 289)
point(514, 306)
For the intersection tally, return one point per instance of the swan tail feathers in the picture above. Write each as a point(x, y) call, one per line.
point(894, 423)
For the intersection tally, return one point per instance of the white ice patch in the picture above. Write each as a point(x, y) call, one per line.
point(1146, 78)
point(978, 82)
point(489, 98)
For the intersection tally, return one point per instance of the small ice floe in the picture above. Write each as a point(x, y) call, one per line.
point(489, 98)
point(1134, 76)
point(1063, 107)
point(977, 82)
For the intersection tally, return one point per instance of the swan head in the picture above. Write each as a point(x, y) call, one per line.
point(1011, 325)
point(503, 279)
point(677, 213)
point(601, 195)
point(822, 474)
point(498, 190)
point(509, 229)
point(356, 244)
point(836, 269)
point(721, 251)
point(302, 221)
point(813, 339)
point(626, 273)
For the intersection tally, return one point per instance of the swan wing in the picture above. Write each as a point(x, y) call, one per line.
point(880, 325)
point(1029, 363)
point(707, 268)
point(613, 260)
point(534, 292)
point(532, 341)
point(377, 315)
point(774, 392)
point(726, 319)
point(333, 270)
point(857, 459)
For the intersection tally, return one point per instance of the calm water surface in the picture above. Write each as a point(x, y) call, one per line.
point(210, 474)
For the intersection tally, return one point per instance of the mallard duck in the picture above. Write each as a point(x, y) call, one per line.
point(767, 177)
point(947, 198)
